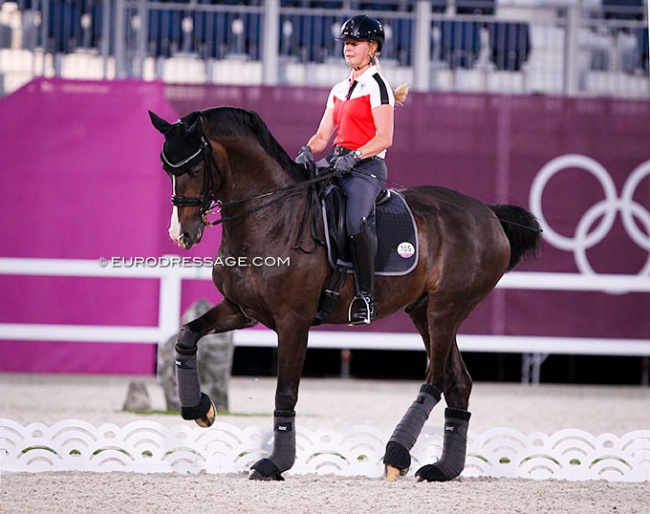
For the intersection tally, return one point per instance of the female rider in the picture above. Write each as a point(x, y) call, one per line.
point(360, 110)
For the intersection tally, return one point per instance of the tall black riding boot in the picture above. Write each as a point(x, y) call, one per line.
point(363, 247)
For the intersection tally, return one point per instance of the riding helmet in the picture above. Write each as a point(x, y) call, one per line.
point(363, 28)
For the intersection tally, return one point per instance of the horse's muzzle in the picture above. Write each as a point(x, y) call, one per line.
point(187, 240)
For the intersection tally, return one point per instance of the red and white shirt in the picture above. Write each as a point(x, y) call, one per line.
point(353, 102)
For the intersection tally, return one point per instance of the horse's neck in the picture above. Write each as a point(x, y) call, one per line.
point(267, 207)
point(252, 172)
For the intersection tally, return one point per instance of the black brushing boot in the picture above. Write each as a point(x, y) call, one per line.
point(454, 450)
point(195, 405)
point(284, 449)
point(397, 459)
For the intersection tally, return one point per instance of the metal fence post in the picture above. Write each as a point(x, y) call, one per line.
point(120, 38)
point(270, 42)
point(571, 48)
point(141, 40)
point(45, 21)
point(421, 46)
point(105, 49)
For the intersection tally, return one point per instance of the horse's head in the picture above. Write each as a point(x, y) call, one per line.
point(185, 157)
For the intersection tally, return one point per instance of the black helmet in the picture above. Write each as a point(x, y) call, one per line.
point(364, 28)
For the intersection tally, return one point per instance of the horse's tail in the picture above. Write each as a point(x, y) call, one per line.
point(522, 229)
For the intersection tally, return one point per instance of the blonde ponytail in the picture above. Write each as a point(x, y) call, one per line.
point(401, 92)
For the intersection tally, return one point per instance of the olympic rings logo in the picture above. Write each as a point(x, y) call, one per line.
point(605, 210)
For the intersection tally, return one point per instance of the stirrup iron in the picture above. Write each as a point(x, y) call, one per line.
point(367, 319)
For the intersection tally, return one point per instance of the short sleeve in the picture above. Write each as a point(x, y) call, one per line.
point(382, 94)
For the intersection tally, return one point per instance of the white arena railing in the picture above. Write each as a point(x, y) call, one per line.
point(534, 349)
point(150, 447)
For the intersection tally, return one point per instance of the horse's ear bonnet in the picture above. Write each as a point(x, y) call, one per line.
point(184, 142)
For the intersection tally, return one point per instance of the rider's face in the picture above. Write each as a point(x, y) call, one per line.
point(357, 53)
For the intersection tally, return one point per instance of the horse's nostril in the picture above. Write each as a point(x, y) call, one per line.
point(185, 239)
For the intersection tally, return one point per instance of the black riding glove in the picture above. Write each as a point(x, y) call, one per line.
point(305, 157)
point(345, 163)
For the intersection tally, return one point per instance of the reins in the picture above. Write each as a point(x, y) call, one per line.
point(218, 205)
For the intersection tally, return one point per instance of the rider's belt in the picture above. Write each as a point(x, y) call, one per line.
point(341, 150)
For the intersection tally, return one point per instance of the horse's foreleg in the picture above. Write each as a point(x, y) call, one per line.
point(292, 348)
point(221, 318)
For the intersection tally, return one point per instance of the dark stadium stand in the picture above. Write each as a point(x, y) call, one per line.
point(84, 32)
point(307, 38)
point(218, 35)
point(399, 46)
point(509, 45)
point(71, 24)
point(460, 43)
point(164, 32)
point(5, 36)
point(623, 9)
point(642, 41)
point(477, 7)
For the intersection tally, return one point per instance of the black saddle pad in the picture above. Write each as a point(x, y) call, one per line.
point(397, 243)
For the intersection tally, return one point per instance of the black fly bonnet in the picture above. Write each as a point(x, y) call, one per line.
point(184, 147)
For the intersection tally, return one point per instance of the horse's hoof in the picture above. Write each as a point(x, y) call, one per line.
point(256, 475)
point(391, 473)
point(209, 418)
point(431, 473)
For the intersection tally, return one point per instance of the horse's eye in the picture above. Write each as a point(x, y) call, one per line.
point(194, 172)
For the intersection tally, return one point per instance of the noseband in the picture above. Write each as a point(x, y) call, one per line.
point(207, 202)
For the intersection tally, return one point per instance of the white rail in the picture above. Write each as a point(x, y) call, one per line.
point(150, 447)
point(169, 314)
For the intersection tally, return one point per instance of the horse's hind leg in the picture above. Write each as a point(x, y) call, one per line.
point(447, 373)
point(457, 389)
point(397, 459)
point(221, 318)
point(447, 369)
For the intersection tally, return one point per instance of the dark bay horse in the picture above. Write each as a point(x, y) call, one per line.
point(228, 156)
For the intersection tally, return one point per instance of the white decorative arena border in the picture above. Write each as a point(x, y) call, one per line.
point(150, 447)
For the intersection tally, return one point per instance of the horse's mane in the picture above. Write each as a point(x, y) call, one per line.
point(233, 120)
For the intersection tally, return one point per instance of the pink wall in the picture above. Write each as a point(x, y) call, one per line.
point(83, 180)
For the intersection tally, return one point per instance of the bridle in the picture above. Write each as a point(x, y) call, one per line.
point(207, 202)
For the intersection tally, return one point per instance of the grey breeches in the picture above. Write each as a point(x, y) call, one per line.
point(361, 188)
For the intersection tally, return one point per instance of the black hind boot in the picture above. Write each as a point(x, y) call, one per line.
point(363, 247)
point(397, 458)
point(454, 450)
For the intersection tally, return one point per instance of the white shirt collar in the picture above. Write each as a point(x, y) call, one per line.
point(364, 76)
